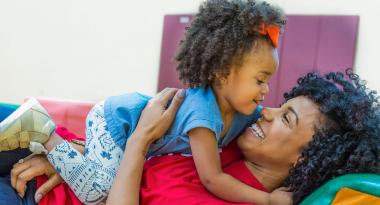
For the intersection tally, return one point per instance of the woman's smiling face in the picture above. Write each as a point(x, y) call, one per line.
point(278, 137)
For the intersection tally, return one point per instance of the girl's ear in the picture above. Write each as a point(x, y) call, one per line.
point(223, 80)
point(220, 80)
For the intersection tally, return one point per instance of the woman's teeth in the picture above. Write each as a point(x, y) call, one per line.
point(257, 130)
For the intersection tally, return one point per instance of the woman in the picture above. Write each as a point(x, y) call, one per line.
point(330, 127)
point(328, 124)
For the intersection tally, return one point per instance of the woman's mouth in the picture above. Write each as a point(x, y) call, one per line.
point(256, 129)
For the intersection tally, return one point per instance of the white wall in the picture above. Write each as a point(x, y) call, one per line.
point(86, 50)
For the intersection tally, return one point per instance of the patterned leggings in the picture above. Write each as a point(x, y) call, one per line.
point(89, 176)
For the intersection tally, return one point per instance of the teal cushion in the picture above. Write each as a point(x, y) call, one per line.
point(324, 195)
point(6, 109)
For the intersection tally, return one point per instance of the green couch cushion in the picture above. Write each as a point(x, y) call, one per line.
point(324, 195)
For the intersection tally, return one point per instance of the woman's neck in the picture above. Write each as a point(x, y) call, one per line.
point(270, 178)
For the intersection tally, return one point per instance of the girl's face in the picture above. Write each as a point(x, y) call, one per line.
point(278, 138)
point(247, 83)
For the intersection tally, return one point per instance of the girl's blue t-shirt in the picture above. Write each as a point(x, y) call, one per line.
point(199, 109)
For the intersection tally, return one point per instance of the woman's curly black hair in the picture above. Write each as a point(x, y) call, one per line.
point(221, 33)
point(348, 139)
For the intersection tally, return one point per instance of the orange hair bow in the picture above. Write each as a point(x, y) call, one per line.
point(273, 31)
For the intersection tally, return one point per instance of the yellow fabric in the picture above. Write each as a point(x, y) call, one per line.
point(347, 196)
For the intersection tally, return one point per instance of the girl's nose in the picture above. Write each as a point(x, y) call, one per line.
point(265, 89)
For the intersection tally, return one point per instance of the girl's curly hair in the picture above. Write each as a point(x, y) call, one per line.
point(348, 139)
point(221, 33)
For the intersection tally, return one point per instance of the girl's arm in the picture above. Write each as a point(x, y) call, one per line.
point(153, 123)
point(204, 148)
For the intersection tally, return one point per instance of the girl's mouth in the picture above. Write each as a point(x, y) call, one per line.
point(258, 102)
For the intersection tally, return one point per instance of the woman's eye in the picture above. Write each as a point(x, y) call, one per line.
point(285, 117)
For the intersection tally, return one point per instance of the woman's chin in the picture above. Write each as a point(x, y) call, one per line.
point(244, 143)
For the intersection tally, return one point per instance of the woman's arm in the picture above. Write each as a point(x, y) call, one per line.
point(153, 123)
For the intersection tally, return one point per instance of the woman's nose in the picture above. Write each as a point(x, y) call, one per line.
point(268, 113)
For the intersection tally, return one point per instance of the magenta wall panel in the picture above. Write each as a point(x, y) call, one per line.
point(174, 30)
point(321, 43)
point(337, 42)
point(313, 43)
point(296, 56)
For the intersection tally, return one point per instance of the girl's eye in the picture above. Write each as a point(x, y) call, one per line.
point(260, 82)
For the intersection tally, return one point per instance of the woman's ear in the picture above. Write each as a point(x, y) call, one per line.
point(296, 162)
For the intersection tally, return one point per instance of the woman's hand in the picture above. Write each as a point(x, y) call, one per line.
point(158, 115)
point(38, 165)
point(155, 119)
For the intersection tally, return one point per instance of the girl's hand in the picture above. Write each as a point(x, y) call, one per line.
point(280, 196)
point(38, 165)
point(158, 115)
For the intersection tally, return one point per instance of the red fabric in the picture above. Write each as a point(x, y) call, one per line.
point(169, 180)
point(173, 179)
point(61, 194)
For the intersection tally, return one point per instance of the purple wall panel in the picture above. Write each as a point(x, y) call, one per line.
point(319, 43)
point(337, 42)
point(174, 30)
point(296, 55)
point(322, 43)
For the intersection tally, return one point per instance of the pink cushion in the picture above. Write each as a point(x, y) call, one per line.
point(68, 113)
